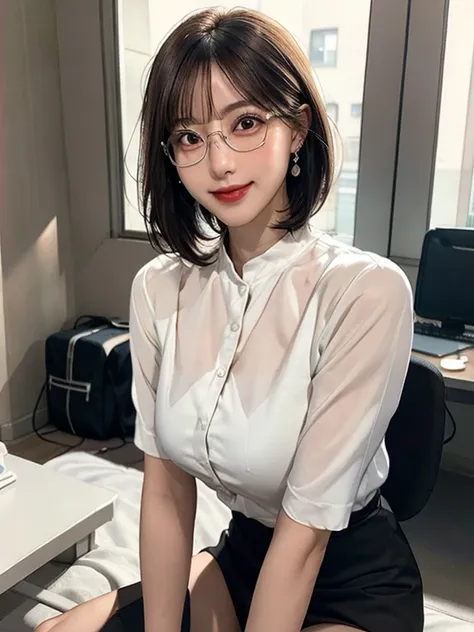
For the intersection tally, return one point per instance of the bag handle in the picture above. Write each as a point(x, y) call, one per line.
point(117, 323)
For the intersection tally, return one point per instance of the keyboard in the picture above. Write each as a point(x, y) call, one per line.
point(428, 329)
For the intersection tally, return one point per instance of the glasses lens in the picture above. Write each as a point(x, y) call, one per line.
point(245, 133)
point(186, 148)
point(242, 133)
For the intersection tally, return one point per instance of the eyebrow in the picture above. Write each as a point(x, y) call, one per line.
point(224, 112)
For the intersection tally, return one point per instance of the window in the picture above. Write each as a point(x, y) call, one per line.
point(352, 145)
point(452, 197)
point(332, 110)
point(346, 188)
point(323, 47)
point(356, 110)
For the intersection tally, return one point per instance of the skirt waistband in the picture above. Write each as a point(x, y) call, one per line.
point(366, 511)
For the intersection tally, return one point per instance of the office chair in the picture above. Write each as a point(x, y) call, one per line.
point(414, 440)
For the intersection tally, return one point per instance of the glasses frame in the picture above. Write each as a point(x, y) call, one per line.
point(268, 117)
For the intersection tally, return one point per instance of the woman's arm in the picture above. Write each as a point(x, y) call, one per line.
point(169, 495)
point(287, 578)
point(364, 354)
point(166, 537)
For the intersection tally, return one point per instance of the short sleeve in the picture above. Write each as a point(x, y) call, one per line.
point(146, 360)
point(364, 350)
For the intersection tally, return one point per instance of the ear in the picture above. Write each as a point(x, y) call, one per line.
point(304, 117)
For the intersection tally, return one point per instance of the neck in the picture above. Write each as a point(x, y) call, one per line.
point(253, 239)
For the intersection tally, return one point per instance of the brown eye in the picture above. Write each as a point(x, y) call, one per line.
point(248, 123)
point(189, 138)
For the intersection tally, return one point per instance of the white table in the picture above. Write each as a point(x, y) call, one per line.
point(44, 514)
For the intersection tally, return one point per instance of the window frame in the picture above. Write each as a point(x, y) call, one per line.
point(111, 21)
point(324, 32)
point(418, 134)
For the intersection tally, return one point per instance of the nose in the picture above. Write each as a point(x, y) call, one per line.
point(221, 156)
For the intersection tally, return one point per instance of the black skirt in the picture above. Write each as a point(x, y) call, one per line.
point(369, 578)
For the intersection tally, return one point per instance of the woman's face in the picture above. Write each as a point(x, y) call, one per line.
point(260, 174)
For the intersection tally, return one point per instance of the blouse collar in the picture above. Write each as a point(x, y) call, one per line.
point(276, 257)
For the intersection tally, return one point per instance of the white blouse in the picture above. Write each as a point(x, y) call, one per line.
point(275, 389)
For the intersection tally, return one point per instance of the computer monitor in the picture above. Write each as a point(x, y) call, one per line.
point(445, 284)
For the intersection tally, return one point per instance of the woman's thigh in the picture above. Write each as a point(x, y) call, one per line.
point(211, 606)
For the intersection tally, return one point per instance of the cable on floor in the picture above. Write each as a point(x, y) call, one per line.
point(454, 429)
point(42, 435)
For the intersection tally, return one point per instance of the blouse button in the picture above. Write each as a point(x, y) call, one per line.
point(235, 327)
point(220, 373)
point(242, 289)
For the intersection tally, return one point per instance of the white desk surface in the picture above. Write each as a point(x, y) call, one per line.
point(42, 514)
point(462, 380)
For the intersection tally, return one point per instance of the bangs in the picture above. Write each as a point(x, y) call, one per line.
point(182, 95)
point(247, 70)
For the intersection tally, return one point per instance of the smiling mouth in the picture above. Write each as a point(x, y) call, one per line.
point(232, 193)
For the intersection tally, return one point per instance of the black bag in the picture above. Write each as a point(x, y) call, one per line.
point(89, 379)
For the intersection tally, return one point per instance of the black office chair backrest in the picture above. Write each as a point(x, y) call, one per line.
point(415, 440)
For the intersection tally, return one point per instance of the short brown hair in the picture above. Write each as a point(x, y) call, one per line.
point(265, 64)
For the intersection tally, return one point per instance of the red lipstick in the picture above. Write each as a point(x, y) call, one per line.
point(233, 193)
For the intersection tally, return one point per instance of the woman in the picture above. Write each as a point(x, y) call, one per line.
point(268, 359)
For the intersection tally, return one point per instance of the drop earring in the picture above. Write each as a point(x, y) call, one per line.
point(295, 170)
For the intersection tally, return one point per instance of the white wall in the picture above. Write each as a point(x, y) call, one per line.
point(104, 267)
point(36, 284)
point(4, 390)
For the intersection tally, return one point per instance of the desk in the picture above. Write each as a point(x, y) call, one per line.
point(43, 514)
point(459, 384)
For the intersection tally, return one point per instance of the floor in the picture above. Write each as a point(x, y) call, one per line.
point(40, 450)
point(442, 539)
point(441, 536)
